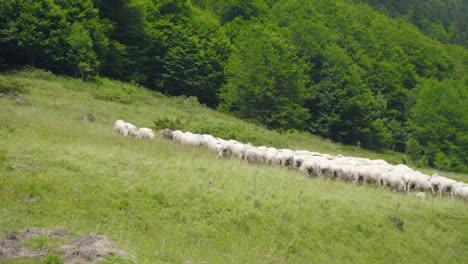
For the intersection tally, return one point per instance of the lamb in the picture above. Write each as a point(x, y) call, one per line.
point(120, 128)
point(145, 132)
point(132, 129)
point(167, 134)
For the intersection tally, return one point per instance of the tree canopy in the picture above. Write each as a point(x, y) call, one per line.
point(379, 74)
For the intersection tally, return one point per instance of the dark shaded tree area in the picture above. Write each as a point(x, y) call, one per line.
point(444, 20)
point(339, 69)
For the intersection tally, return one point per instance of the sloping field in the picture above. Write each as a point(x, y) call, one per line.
point(166, 203)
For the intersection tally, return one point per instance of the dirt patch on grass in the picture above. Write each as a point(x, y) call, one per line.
point(11, 245)
point(89, 248)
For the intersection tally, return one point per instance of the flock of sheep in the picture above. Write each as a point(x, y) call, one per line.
point(128, 129)
point(356, 170)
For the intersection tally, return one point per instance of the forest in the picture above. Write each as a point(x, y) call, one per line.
point(383, 75)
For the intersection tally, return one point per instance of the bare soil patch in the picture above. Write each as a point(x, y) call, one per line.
point(88, 248)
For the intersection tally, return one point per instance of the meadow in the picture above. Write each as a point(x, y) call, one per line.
point(167, 203)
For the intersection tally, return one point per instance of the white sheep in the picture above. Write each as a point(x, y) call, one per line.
point(374, 173)
point(286, 158)
point(457, 189)
point(441, 184)
point(177, 136)
point(120, 128)
point(312, 166)
point(418, 181)
point(461, 191)
point(192, 139)
point(271, 158)
point(309, 167)
point(213, 144)
point(394, 179)
point(225, 150)
point(132, 129)
point(251, 155)
point(299, 159)
point(145, 132)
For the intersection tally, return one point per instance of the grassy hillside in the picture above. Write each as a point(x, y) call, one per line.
point(154, 200)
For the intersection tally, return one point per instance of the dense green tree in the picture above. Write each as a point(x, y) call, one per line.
point(337, 68)
point(265, 80)
point(78, 55)
point(31, 32)
point(59, 35)
point(128, 39)
point(439, 124)
point(444, 20)
point(341, 104)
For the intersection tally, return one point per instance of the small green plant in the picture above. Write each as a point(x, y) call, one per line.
point(52, 259)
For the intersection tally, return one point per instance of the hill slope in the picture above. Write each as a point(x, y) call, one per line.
point(155, 201)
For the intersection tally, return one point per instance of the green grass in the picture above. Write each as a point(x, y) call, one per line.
point(154, 201)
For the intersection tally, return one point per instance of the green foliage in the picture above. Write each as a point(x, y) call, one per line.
point(168, 122)
point(81, 43)
point(441, 20)
point(52, 259)
point(265, 80)
point(107, 89)
point(60, 36)
point(380, 136)
point(439, 122)
point(339, 69)
point(11, 87)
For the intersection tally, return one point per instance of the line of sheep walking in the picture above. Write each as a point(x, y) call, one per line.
point(128, 129)
point(356, 170)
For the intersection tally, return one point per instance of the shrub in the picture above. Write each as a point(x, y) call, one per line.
point(107, 89)
point(11, 87)
point(166, 122)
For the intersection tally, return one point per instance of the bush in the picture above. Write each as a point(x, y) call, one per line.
point(166, 122)
point(109, 90)
point(11, 87)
